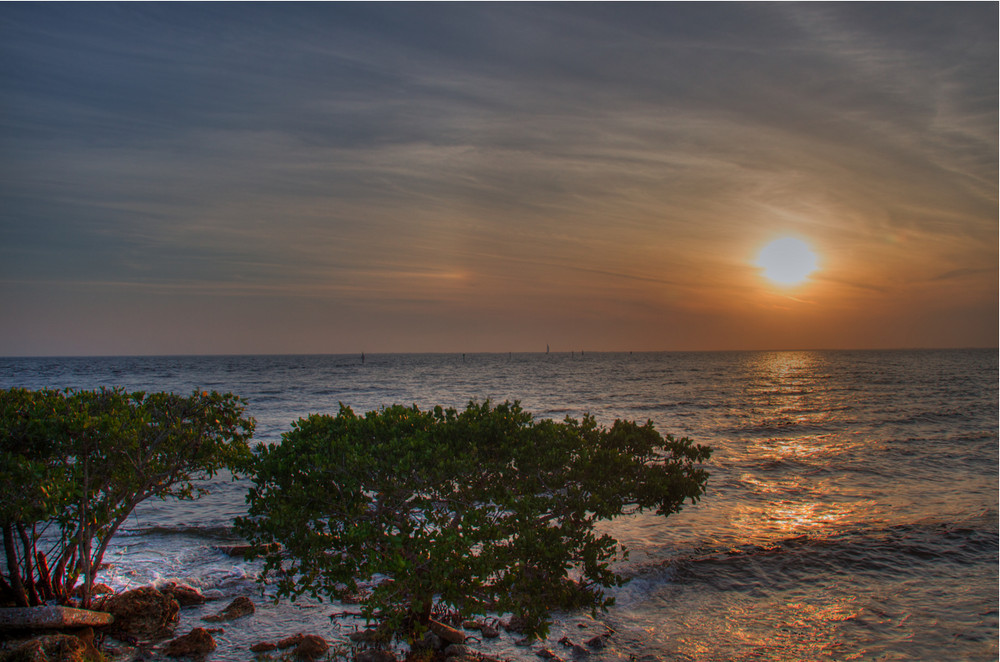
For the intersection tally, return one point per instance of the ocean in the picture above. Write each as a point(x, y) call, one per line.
point(851, 512)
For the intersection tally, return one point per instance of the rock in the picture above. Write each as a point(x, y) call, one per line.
point(598, 642)
point(310, 647)
point(243, 551)
point(515, 624)
point(429, 642)
point(454, 650)
point(446, 632)
point(186, 596)
point(488, 631)
point(307, 646)
point(197, 644)
point(578, 650)
point(369, 636)
point(374, 656)
point(354, 598)
point(288, 642)
point(26, 651)
point(143, 613)
point(91, 653)
point(263, 647)
point(119, 651)
point(546, 654)
point(53, 648)
point(31, 618)
point(241, 606)
point(86, 635)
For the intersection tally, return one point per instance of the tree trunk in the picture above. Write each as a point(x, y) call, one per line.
point(44, 576)
point(29, 573)
point(88, 579)
point(6, 592)
point(17, 587)
point(59, 582)
point(419, 615)
point(85, 541)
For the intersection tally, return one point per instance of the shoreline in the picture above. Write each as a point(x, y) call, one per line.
point(194, 627)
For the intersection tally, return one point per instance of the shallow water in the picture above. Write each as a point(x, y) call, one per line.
point(851, 512)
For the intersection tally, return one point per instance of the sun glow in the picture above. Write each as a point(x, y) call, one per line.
point(787, 261)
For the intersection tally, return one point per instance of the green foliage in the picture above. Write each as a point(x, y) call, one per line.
point(480, 510)
point(32, 483)
point(76, 464)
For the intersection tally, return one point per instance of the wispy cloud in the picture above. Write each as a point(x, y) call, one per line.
point(345, 150)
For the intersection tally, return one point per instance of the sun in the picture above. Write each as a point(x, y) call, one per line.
point(787, 261)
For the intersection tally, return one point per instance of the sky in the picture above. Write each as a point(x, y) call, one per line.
point(234, 178)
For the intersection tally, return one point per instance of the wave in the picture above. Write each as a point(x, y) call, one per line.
point(905, 550)
point(779, 426)
point(671, 406)
point(556, 411)
point(213, 532)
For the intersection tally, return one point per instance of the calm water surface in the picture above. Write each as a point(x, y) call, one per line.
point(851, 512)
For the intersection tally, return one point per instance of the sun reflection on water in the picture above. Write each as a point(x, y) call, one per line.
point(794, 457)
point(777, 449)
point(791, 629)
point(807, 560)
point(797, 518)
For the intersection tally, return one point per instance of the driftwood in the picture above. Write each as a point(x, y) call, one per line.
point(46, 617)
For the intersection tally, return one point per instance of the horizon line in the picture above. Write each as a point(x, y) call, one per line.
point(583, 352)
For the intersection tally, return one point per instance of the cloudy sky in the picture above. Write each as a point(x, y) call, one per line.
point(274, 178)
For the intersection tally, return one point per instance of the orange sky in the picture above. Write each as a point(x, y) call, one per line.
point(393, 178)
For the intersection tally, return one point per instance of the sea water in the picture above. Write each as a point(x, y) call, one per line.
point(851, 511)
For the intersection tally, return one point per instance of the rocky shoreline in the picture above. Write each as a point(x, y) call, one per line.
point(140, 624)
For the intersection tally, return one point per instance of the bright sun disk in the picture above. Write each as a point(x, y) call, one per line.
point(787, 261)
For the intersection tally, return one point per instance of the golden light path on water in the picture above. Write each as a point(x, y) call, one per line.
point(796, 503)
point(788, 507)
